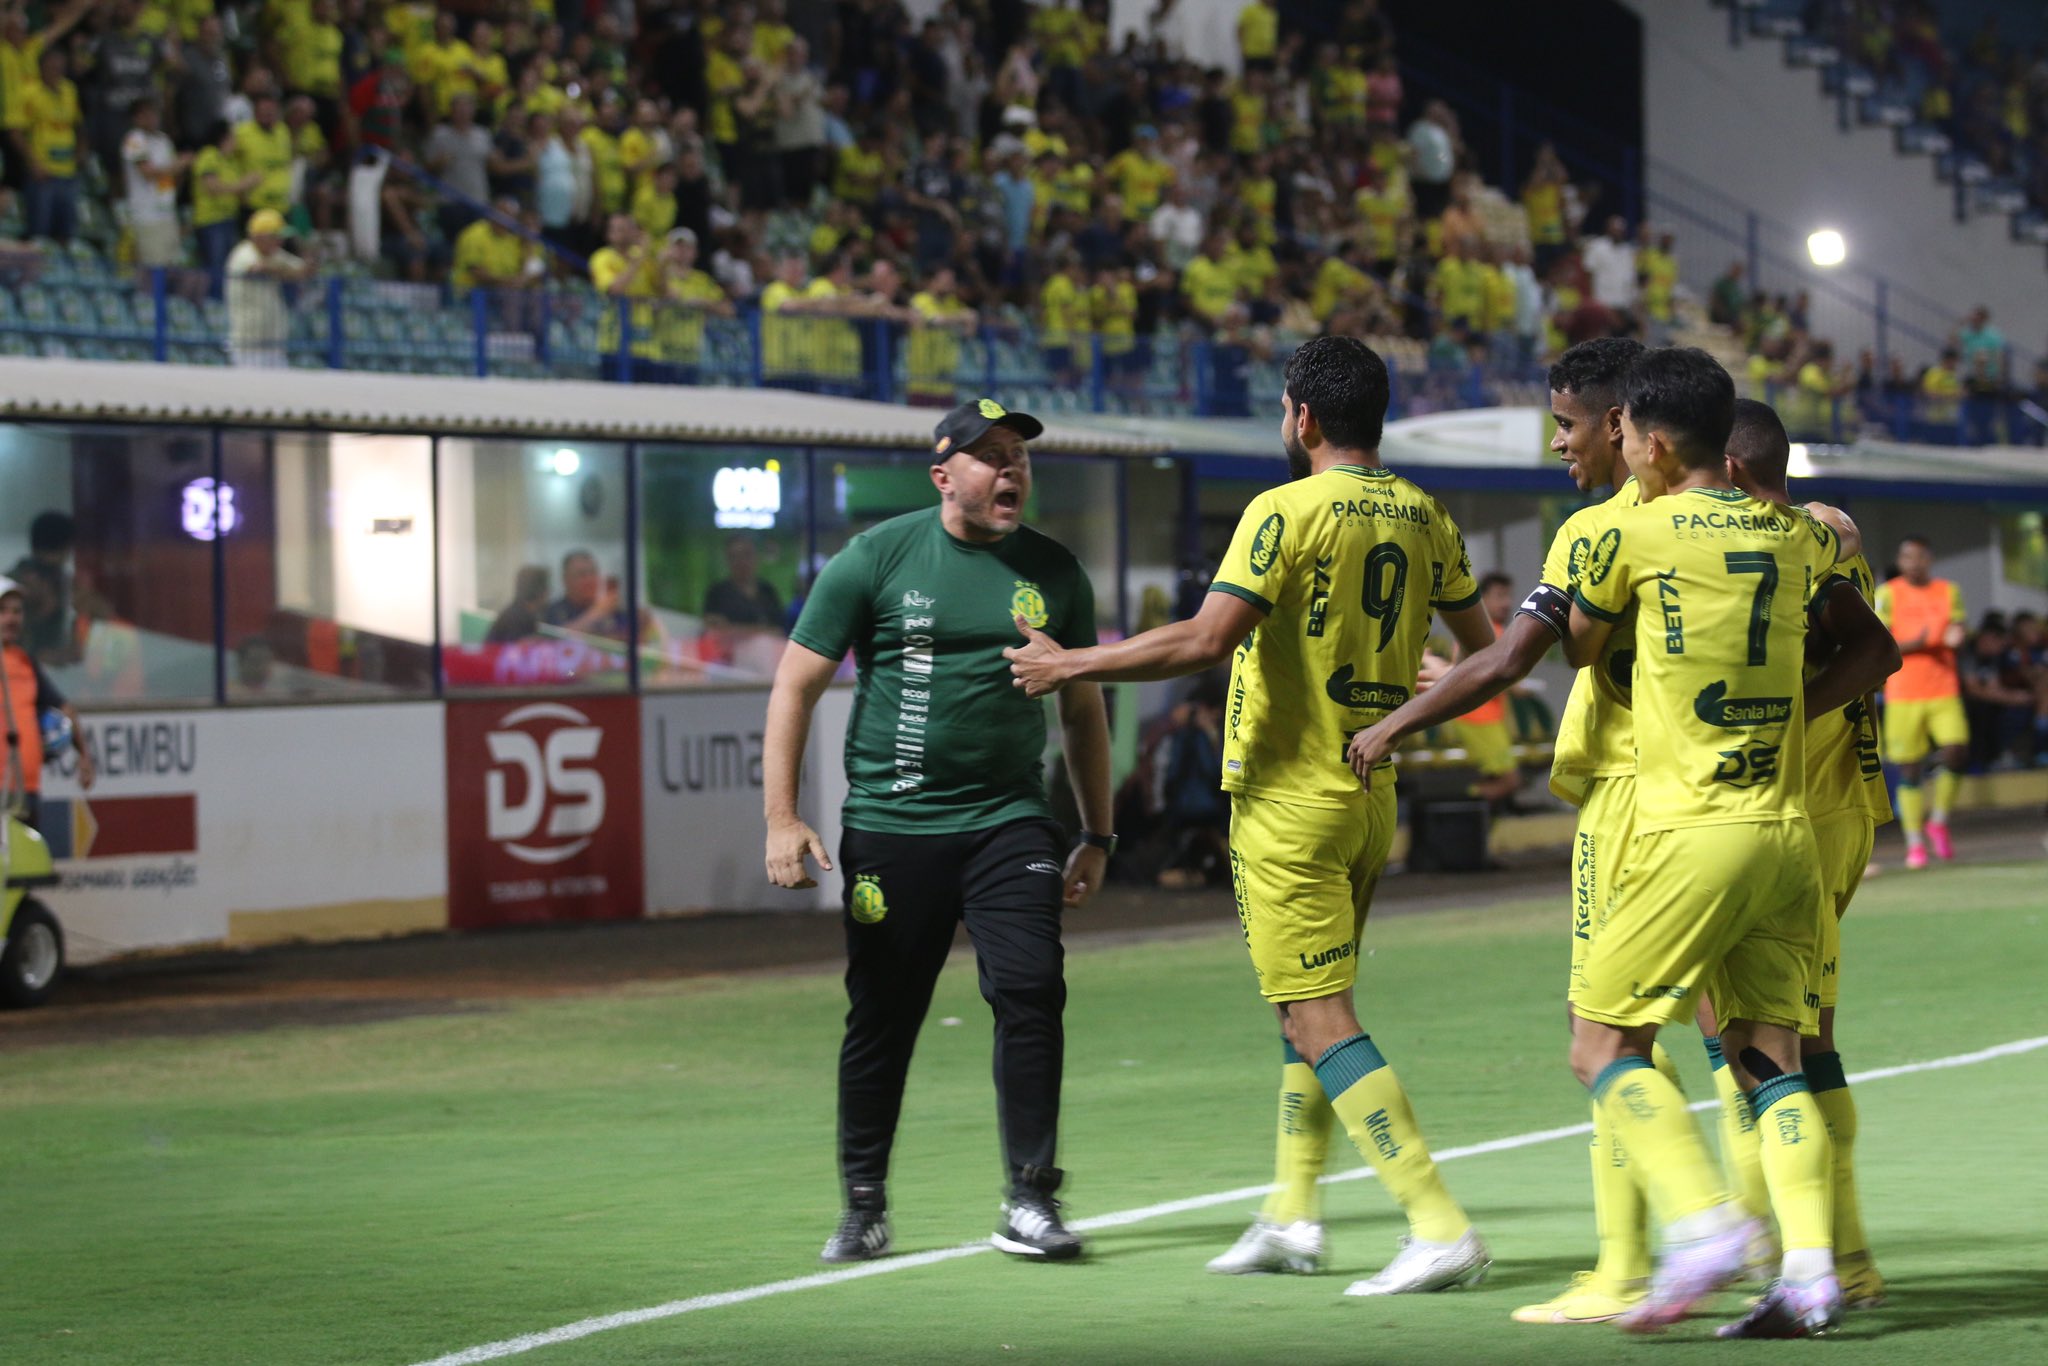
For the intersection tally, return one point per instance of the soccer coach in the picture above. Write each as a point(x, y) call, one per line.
point(946, 818)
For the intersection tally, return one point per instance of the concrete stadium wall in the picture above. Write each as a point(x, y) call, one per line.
point(1743, 122)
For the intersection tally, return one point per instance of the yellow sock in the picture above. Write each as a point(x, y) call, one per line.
point(1838, 1106)
point(1648, 1118)
point(1912, 804)
point(1620, 1213)
point(1368, 1098)
point(1798, 1161)
point(1946, 781)
point(1302, 1146)
point(1661, 1059)
point(1742, 1158)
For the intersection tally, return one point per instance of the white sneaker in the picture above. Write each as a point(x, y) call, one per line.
point(1266, 1246)
point(1420, 1267)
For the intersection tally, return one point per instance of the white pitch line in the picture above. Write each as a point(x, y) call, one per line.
point(583, 1328)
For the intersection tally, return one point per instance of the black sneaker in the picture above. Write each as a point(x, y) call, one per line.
point(863, 1232)
point(1031, 1224)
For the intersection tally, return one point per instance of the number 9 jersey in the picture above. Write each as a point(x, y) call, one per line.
point(1721, 583)
point(1349, 566)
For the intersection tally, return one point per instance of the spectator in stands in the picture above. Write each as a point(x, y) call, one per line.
point(799, 103)
point(21, 55)
point(206, 77)
point(152, 169)
point(1941, 390)
point(125, 62)
point(522, 616)
point(692, 296)
point(218, 184)
point(1727, 300)
point(459, 152)
point(490, 254)
point(626, 268)
point(50, 107)
point(2000, 699)
point(263, 148)
point(1433, 145)
point(1176, 225)
point(259, 323)
point(1610, 262)
point(316, 188)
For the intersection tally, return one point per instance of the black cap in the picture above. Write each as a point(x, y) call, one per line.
point(969, 422)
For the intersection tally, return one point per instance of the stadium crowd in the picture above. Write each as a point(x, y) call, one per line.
point(1000, 164)
point(1987, 94)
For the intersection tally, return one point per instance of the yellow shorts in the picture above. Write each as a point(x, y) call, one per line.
point(1487, 744)
point(1607, 817)
point(1729, 909)
point(1304, 877)
point(1912, 729)
point(1844, 840)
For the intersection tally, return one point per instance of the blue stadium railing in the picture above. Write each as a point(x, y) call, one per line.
point(345, 322)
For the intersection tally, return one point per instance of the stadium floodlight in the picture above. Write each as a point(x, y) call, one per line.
point(565, 462)
point(1827, 248)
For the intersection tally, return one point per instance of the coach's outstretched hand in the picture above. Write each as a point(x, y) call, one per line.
point(788, 842)
point(1035, 665)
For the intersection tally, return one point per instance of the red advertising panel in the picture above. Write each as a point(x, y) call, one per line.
point(543, 811)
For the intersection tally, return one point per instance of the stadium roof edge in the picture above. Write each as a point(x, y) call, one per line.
point(342, 400)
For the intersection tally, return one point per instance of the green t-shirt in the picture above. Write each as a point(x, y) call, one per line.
point(940, 741)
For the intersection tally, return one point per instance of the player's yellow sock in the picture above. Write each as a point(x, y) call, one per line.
point(1742, 1156)
point(1838, 1106)
point(1799, 1164)
point(1648, 1117)
point(1946, 781)
point(1367, 1097)
point(1620, 1213)
point(1912, 806)
point(1303, 1143)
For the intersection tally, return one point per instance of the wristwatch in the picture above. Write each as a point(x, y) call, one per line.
point(1106, 843)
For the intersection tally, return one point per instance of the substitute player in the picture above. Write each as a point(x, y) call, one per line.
point(1325, 596)
point(1846, 802)
point(1720, 884)
point(1593, 767)
point(946, 818)
point(1923, 704)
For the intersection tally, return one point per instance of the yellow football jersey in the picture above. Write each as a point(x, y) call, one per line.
point(1350, 566)
point(1843, 769)
point(1596, 736)
point(1720, 582)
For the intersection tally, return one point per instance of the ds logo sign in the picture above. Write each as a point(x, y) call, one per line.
point(544, 799)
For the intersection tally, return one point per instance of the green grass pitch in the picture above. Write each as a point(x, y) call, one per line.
point(389, 1193)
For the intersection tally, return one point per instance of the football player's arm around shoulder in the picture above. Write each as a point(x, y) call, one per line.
point(1848, 541)
point(1864, 656)
point(1602, 591)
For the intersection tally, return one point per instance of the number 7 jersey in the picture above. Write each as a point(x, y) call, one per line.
point(1720, 582)
point(1349, 566)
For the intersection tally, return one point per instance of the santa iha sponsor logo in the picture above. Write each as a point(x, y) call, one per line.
point(869, 906)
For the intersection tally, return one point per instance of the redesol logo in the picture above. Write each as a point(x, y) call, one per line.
point(555, 786)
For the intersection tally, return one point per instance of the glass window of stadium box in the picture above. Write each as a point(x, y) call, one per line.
point(537, 584)
point(326, 570)
point(1074, 500)
point(724, 531)
point(110, 533)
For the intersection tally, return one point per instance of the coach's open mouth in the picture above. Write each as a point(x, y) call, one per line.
point(1009, 500)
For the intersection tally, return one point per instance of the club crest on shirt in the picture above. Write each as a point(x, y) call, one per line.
point(1029, 603)
point(869, 906)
